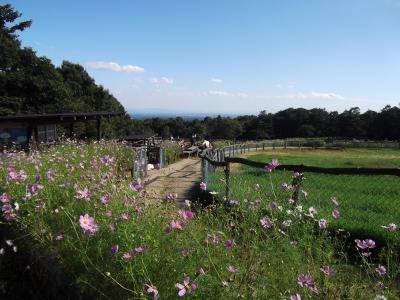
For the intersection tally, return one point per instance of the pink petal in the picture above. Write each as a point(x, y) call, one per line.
point(182, 292)
point(186, 280)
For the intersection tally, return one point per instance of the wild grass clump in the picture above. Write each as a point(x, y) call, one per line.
point(173, 152)
point(113, 241)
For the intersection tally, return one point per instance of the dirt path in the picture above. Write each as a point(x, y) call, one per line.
point(182, 177)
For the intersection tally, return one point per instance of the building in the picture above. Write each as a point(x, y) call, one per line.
point(21, 131)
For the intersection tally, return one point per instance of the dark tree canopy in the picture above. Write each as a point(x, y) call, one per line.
point(32, 84)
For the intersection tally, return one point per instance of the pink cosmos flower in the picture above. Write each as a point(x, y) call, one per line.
point(127, 255)
point(175, 224)
point(7, 209)
point(133, 253)
point(114, 249)
point(183, 288)
point(34, 188)
point(231, 269)
point(136, 185)
point(364, 244)
point(229, 244)
point(305, 280)
point(390, 227)
point(381, 270)
point(151, 289)
point(50, 174)
point(83, 194)
point(105, 198)
point(271, 166)
point(88, 225)
point(107, 160)
point(178, 224)
point(171, 196)
point(60, 237)
point(335, 214)
point(203, 186)
point(186, 214)
point(295, 297)
point(328, 270)
point(285, 186)
point(15, 176)
point(234, 202)
point(322, 223)
point(266, 222)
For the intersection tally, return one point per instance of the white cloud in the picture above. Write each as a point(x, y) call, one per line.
point(162, 81)
point(113, 66)
point(225, 94)
point(315, 95)
point(286, 85)
point(216, 80)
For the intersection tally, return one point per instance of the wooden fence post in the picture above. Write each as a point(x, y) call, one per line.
point(227, 179)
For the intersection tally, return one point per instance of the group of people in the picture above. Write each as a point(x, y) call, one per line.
point(205, 144)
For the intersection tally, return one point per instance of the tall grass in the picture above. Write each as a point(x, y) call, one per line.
point(140, 245)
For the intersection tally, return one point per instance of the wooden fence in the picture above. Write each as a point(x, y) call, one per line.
point(223, 157)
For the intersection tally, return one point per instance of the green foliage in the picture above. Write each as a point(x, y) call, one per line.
point(173, 152)
point(267, 261)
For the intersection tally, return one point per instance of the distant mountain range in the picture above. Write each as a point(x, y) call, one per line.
point(142, 115)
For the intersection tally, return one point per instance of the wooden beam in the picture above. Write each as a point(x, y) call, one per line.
point(332, 171)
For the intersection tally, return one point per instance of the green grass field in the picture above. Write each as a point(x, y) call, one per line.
point(366, 202)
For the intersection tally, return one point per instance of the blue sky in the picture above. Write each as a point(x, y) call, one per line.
point(227, 56)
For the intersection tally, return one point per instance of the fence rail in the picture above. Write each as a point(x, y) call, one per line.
point(212, 159)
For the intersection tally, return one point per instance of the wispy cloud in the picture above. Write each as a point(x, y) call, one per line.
point(216, 80)
point(161, 81)
point(286, 85)
point(315, 95)
point(225, 94)
point(115, 67)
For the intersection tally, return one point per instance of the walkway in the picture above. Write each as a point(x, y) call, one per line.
point(182, 177)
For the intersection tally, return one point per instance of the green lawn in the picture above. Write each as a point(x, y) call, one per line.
point(366, 202)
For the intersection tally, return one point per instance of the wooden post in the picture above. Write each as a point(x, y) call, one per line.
point(71, 130)
point(98, 129)
point(263, 146)
point(227, 179)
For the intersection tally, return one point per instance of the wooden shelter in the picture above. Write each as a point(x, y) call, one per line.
point(143, 140)
point(21, 130)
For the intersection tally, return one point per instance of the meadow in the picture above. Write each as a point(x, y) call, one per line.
point(74, 210)
point(365, 203)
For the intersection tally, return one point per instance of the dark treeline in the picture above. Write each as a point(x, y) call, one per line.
point(292, 122)
point(30, 84)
